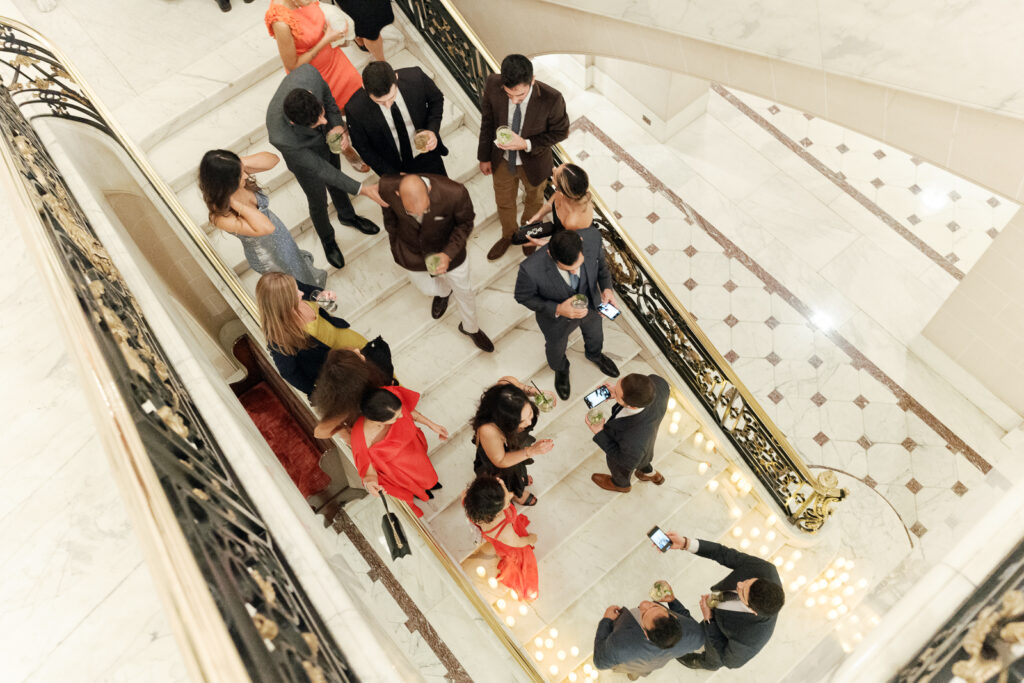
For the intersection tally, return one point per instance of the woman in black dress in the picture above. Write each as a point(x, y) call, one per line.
point(570, 205)
point(501, 432)
point(370, 16)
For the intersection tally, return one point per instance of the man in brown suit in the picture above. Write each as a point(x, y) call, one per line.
point(536, 114)
point(430, 214)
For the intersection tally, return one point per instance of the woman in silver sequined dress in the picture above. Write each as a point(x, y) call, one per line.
point(239, 206)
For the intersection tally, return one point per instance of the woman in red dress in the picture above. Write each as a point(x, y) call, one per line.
point(488, 505)
point(390, 450)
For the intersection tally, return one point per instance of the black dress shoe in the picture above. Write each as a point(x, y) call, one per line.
point(606, 364)
point(439, 306)
point(482, 341)
point(692, 660)
point(562, 387)
point(334, 255)
point(225, 5)
point(363, 225)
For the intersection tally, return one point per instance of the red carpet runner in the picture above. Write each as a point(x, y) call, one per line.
point(296, 452)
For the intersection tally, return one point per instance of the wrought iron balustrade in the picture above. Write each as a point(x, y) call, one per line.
point(805, 499)
point(265, 613)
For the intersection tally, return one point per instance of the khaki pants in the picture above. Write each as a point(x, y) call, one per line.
point(506, 193)
point(455, 281)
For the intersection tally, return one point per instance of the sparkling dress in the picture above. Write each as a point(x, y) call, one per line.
point(278, 252)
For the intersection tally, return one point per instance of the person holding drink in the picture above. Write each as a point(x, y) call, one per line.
point(488, 505)
point(563, 283)
point(501, 432)
point(428, 219)
point(395, 121)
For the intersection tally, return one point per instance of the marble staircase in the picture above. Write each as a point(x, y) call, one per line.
point(592, 549)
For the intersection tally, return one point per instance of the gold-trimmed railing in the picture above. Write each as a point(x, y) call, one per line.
point(236, 606)
point(805, 499)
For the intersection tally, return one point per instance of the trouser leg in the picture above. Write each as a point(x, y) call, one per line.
point(506, 190)
point(342, 202)
point(533, 196)
point(431, 286)
point(465, 298)
point(556, 339)
point(593, 335)
point(316, 197)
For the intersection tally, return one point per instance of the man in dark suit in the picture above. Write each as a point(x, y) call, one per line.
point(638, 641)
point(385, 115)
point(627, 437)
point(550, 280)
point(430, 214)
point(740, 614)
point(536, 114)
point(301, 115)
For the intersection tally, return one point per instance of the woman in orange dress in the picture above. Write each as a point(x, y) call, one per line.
point(304, 37)
point(390, 450)
point(488, 505)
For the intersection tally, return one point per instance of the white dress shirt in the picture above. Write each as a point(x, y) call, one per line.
point(522, 113)
point(409, 130)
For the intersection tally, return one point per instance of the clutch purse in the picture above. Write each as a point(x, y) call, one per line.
point(398, 544)
point(534, 230)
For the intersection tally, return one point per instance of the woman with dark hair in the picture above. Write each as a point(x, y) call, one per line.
point(370, 17)
point(239, 206)
point(345, 378)
point(501, 432)
point(300, 333)
point(390, 451)
point(488, 506)
point(570, 204)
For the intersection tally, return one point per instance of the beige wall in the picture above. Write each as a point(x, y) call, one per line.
point(983, 147)
point(981, 325)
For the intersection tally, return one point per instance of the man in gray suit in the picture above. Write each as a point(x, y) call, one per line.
point(549, 281)
point(641, 640)
point(627, 437)
point(301, 115)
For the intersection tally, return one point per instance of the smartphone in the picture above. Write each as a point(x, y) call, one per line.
point(597, 397)
point(660, 539)
point(608, 311)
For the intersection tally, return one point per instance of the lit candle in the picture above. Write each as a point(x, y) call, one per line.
point(548, 643)
point(540, 656)
point(710, 445)
point(810, 602)
point(737, 531)
point(553, 669)
point(712, 485)
point(698, 438)
point(523, 610)
point(745, 543)
point(553, 633)
point(561, 654)
point(574, 651)
point(492, 582)
point(480, 571)
point(511, 621)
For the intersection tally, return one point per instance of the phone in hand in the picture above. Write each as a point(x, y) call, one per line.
point(660, 539)
point(608, 311)
point(597, 397)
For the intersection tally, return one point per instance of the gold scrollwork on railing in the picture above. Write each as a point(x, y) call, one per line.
point(989, 639)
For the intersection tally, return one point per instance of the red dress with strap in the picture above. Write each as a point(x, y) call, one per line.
point(517, 567)
point(400, 458)
point(307, 27)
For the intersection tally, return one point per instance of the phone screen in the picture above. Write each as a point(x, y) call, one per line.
point(660, 539)
point(597, 396)
point(608, 311)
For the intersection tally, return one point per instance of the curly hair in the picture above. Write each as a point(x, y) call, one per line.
point(484, 499)
point(344, 380)
point(502, 406)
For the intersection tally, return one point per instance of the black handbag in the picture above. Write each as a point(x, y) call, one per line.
point(534, 230)
point(398, 544)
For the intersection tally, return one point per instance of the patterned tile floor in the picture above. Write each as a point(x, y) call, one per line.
point(782, 306)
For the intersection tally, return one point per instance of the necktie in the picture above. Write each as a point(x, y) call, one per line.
point(616, 409)
point(404, 148)
point(517, 122)
point(574, 280)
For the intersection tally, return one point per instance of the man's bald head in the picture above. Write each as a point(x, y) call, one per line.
point(414, 194)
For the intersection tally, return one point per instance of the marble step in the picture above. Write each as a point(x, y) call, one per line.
point(454, 461)
point(236, 124)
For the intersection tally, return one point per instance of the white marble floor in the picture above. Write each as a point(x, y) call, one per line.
point(76, 600)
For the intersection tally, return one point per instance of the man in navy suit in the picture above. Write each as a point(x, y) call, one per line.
point(385, 115)
point(641, 640)
point(549, 280)
point(627, 437)
point(740, 615)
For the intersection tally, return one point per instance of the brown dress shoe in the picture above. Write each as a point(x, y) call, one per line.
point(655, 478)
point(439, 306)
point(482, 341)
point(499, 249)
point(605, 482)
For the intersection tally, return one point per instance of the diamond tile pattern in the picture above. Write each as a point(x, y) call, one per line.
point(815, 362)
point(731, 356)
point(909, 444)
point(775, 396)
point(919, 529)
point(959, 488)
point(690, 251)
point(730, 286)
point(914, 485)
point(821, 439)
point(860, 401)
point(818, 399)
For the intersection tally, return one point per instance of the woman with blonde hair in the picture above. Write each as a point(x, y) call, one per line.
point(238, 206)
point(300, 333)
point(570, 204)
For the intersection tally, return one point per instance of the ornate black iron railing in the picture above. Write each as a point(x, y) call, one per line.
point(977, 643)
point(274, 626)
point(806, 499)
